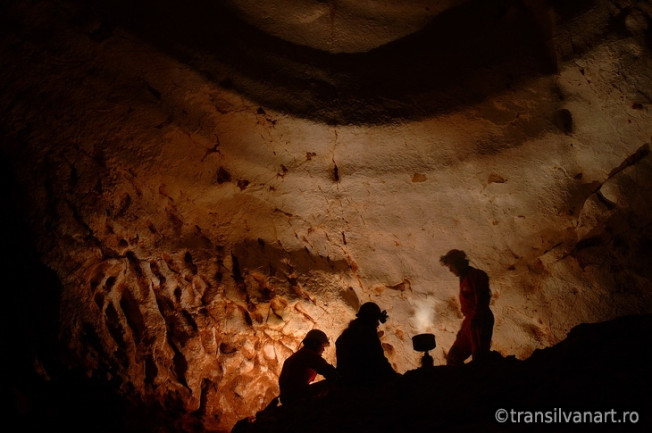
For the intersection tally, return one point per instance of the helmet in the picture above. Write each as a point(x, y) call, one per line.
point(453, 257)
point(371, 311)
point(315, 337)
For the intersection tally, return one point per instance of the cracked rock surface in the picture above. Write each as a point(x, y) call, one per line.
point(199, 198)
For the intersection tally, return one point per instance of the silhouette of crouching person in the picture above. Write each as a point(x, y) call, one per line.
point(361, 359)
point(301, 368)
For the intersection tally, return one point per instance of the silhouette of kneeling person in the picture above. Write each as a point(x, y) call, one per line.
point(301, 368)
point(361, 359)
point(474, 337)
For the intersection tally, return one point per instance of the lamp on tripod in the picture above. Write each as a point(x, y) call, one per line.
point(424, 343)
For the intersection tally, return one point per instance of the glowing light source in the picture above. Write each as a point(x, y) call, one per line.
point(424, 316)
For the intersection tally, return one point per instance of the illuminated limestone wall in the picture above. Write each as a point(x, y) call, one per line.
point(199, 234)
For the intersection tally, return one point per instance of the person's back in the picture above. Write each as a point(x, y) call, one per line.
point(360, 356)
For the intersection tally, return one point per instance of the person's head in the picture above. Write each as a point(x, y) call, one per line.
point(371, 312)
point(455, 260)
point(316, 340)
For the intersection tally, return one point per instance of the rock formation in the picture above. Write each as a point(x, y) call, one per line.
point(191, 187)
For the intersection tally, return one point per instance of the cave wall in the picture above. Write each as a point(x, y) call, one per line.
point(201, 218)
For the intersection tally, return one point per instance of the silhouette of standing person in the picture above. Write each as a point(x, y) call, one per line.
point(301, 368)
point(361, 359)
point(474, 336)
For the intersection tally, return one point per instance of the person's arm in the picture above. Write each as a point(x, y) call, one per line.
point(479, 284)
point(321, 366)
point(483, 293)
point(382, 364)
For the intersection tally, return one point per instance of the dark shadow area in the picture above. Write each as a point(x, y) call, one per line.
point(41, 391)
point(601, 367)
point(275, 262)
point(463, 56)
